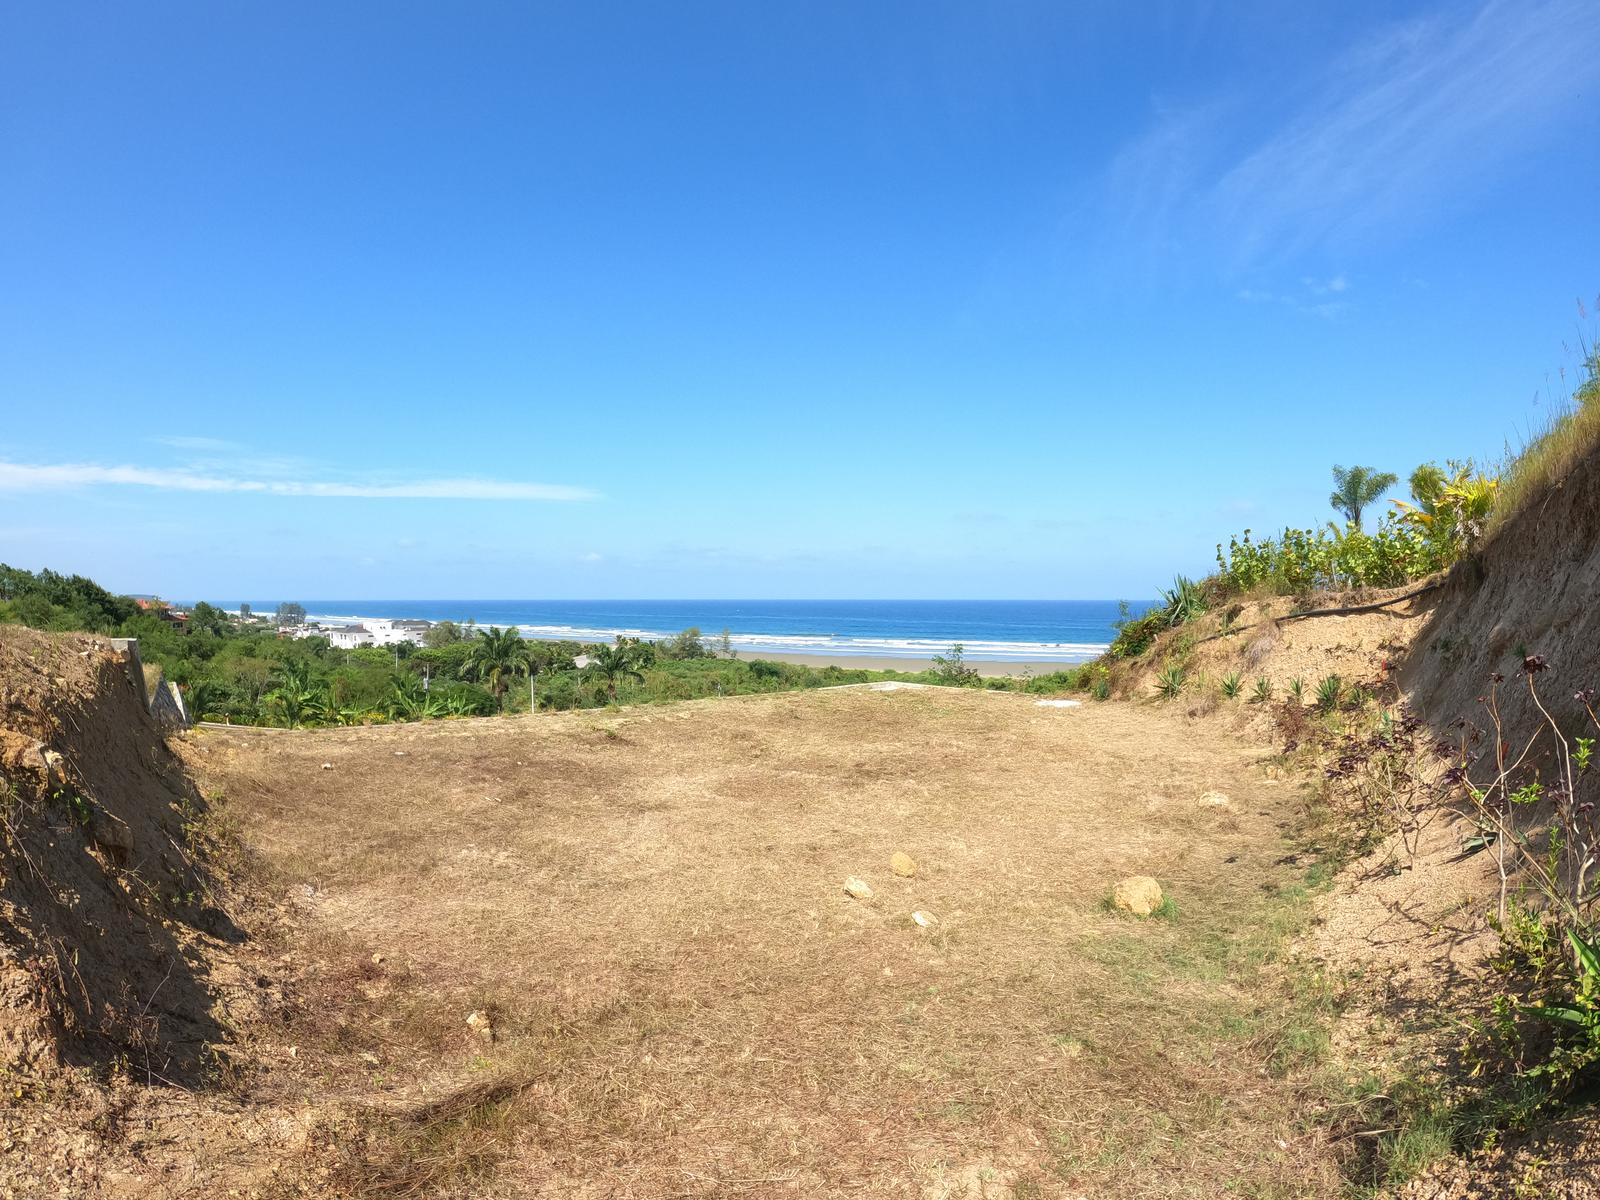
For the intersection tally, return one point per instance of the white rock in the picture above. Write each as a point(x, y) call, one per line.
point(858, 888)
point(327, 766)
point(925, 919)
point(1213, 800)
point(1058, 703)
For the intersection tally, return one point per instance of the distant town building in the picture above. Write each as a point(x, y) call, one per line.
point(157, 607)
point(368, 633)
point(348, 637)
point(392, 633)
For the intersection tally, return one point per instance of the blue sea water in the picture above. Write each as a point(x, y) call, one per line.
point(1019, 630)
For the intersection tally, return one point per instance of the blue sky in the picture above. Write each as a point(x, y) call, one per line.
point(920, 299)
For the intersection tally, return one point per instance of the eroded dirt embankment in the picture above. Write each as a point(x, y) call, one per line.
point(104, 917)
point(1532, 589)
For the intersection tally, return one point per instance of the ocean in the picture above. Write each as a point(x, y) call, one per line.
point(1013, 630)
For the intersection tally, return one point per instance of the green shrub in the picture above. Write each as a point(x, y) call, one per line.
point(951, 668)
point(1231, 685)
point(1135, 634)
point(1169, 683)
point(1301, 561)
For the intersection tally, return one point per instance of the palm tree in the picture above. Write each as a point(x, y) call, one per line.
point(1357, 487)
point(612, 663)
point(496, 658)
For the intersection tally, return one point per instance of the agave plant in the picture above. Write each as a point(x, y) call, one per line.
point(458, 706)
point(1329, 692)
point(1183, 601)
point(410, 702)
point(1263, 691)
point(1231, 684)
point(1169, 683)
point(1297, 689)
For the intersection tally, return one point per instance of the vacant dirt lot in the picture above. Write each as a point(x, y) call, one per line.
point(648, 908)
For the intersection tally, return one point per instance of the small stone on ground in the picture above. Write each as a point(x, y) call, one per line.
point(1138, 894)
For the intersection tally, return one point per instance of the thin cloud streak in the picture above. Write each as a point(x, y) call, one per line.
point(21, 477)
point(1422, 110)
point(1406, 122)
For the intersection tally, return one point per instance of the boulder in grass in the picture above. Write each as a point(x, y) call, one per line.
point(902, 864)
point(858, 888)
point(1137, 894)
point(1213, 800)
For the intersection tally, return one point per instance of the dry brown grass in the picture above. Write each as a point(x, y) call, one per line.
point(685, 1002)
point(1551, 454)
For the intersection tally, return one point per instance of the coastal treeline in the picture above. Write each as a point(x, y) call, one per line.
point(1450, 509)
point(245, 669)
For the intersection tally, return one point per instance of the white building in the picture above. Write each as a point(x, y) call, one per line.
point(369, 633)
point(392, 633)
point(348, 637)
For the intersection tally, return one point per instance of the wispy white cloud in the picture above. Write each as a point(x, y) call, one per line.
point(25, 477)
point(1318, 297)
point(1386, 134)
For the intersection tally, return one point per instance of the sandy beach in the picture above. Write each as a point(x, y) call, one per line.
point(863, 662)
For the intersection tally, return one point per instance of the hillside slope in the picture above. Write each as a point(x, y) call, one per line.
point(1532, 589)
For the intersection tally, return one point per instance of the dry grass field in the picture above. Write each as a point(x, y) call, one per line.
point(648, 908)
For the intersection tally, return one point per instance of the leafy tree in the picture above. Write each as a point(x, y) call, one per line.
point(207, 618)
point(497, 657)
point(291, 612)
point(613, 663)
point(688, 644)
point(1354, 488)
point(442, 633)
point(245, 613)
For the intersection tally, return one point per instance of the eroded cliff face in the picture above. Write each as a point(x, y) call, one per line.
point(1532, 589)
point(104, 922)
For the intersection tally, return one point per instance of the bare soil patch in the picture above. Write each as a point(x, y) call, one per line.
point(676, 996)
